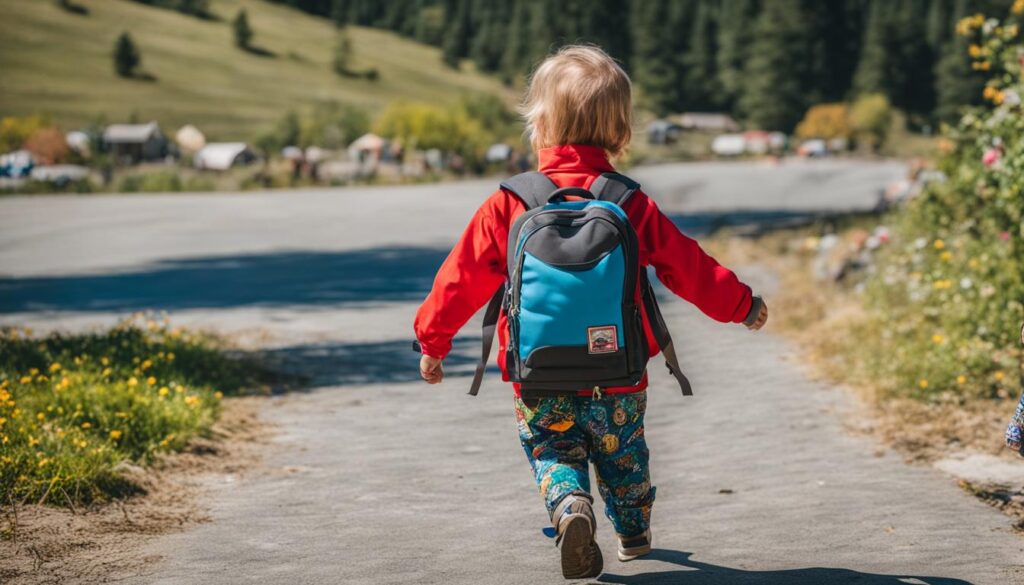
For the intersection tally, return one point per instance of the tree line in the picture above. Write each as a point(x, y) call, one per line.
point(764, 61)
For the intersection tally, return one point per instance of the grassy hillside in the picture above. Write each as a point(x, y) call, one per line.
point(60, 63)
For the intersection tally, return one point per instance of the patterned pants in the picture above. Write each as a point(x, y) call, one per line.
point(562, 435)
point(1015, 432)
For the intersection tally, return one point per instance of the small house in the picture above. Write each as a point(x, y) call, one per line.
point(135, 142)
point(663, 132)
point(708, 122)
point(221, 156)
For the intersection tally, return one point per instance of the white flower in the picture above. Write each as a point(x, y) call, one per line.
point(966, 283)
point(1011, 98)
point(920, 243)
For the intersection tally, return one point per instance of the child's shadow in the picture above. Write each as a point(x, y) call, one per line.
point(697, 573)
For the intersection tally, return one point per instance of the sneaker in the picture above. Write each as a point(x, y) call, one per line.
point(631, 547)
point(581, 557)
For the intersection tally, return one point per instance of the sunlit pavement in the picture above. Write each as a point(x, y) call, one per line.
point(376, 478)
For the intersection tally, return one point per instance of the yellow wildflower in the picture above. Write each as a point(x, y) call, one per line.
point(54, 367)
point(147, 364)
point(33, 371)
point(105, 361)
point(41, 416)
point(151, 381)
point(923, 383)
point(946, 256)
point(87, 425)
point(975, 51)
point(107, 372)
point(999, 376)
point(170, 356)
point(32, 441)
point(26, 379)
point(218, 395)
point(132, 381)
point(1018, 7)
point(192, 400)
point(164, 391)
point(939, 244)
point(115, 434)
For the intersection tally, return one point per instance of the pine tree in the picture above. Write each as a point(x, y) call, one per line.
point(702, 91)
point(456, 41)
point(340, 12)
point(126, 56)
point(655, 60)
point(735, 33)
point(774, 96)
point(872, 70)
point(342, 54)
point(243, 33)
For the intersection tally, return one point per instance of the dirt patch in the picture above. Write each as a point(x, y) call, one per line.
point(99, 544)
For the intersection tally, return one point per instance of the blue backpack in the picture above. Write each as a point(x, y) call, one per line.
point(570, 299)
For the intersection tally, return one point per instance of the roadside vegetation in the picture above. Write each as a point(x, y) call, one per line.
point(73, 408)
point(922, 309)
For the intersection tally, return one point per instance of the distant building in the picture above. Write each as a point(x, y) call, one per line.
point(708, 122)
point(663, 132)
point(221, 156)
point(135, 142)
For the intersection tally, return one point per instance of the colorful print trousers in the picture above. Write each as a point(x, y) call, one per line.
point(1015, 432)
point(563, 435)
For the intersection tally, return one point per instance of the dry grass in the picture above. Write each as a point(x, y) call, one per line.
point(60, 63)
point(822, 318)
point(103, 543)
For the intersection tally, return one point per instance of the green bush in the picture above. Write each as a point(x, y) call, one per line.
point(72, 407)
point(948, 297)
point(870, 120)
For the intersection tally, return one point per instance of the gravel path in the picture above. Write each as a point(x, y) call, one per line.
point(376, 478)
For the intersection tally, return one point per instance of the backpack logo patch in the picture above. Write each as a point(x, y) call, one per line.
point(602, 339)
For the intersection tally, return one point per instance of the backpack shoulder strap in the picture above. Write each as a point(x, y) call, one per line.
point(614, 188)
point(532, 188)
point(487, 337)
point(661, 334)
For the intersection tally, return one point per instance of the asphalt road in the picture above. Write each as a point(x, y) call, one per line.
point(376, 478)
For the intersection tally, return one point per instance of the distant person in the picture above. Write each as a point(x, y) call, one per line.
point(578, 320)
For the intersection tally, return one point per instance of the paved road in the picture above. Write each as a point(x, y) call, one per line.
point(375, 478)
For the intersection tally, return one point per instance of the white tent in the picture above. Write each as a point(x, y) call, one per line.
point(221, 156)
point(190, 139)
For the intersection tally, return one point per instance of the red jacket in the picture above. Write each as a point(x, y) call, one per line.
point(476, 267)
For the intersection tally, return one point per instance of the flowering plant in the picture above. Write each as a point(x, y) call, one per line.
point(948, 295)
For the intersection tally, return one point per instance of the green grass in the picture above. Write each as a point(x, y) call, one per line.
point(72, 407)
point(60, 63)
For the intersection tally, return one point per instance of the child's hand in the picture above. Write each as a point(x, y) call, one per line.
point(431, 370)
point(762, 318)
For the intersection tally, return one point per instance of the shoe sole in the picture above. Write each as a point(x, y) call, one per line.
point(577, 540)
point(628, 555)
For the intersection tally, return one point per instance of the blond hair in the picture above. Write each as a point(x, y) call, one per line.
point(579, 95)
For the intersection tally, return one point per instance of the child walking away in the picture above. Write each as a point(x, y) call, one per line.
point(561, 254)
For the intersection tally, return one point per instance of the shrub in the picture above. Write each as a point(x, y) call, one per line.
point(948, 297)
point(870, 118)
point(826, 121)
point(47, 145)
point(15, 131)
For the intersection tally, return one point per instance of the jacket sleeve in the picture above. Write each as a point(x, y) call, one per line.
point(688, 271)
point(467, 279)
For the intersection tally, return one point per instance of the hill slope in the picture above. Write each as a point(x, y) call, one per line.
point(60, 63)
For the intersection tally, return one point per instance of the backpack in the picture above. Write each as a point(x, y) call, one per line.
point(570, 298)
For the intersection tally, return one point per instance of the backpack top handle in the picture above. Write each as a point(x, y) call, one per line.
point(560, 195)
